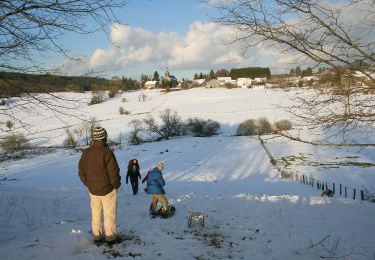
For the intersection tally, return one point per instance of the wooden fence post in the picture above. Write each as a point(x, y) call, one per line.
point(362, 195)
point(346, 192)
point(340, 189)
point(333, 188)
point(354, 194)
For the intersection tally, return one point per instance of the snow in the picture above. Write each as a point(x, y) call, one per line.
point(251, 212)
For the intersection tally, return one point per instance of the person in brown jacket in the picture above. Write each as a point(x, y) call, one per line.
point(99, 171)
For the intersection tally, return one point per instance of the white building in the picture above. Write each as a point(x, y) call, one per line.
point(308, 78)
point(213, 83)
point(244, 82)
point(151, 84)
point(260, 81)
point(224, 79)
point(199, 81)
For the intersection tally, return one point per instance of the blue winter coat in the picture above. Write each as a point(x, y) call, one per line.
point(155, 182)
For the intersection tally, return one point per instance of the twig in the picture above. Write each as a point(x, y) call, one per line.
point(327, 236)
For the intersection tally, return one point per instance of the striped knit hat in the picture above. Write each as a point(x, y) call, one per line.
point(99, 133)
point(160, 166)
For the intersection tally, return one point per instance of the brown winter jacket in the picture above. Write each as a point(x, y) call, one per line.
point(98, 169)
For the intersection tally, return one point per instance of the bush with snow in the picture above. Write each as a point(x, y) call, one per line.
point(201, 128)
point(264, 126)
point(283, 125)
point(247, 128)
point(14, 142)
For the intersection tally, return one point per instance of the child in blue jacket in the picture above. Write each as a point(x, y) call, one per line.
point(155, 184)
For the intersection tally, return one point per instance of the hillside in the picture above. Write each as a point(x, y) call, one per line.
point(251, 212)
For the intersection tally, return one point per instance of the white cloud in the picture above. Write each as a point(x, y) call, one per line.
point(135, 50)
point(204, 47)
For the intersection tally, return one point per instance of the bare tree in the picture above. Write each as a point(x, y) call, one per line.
point(172, 125)
point(137, 128)
point(88, 128)
point(339, 35)
point(30, 30)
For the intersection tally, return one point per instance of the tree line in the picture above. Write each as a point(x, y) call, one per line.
point(249, 72)
point(15, 84)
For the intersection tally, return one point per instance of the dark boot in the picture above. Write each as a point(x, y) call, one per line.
point(112, 242)
point(152, 210)
point(98, 241)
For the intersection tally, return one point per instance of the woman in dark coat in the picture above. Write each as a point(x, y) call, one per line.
point(134, 174)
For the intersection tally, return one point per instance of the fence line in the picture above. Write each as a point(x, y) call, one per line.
point(309, 181)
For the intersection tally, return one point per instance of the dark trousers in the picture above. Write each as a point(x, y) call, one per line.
point(134, 183)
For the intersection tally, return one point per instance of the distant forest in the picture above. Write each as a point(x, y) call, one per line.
point(251, 72)
point(15, 84)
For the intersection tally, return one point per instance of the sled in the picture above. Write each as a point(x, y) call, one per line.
point(196, 219)
point(168, 214)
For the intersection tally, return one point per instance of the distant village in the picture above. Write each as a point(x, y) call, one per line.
point(337, 80)
point(297, 77)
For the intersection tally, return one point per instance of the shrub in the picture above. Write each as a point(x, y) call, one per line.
point(123, 111)
point(283, 125)
point(264, 126)
point(72, 138)
point(87, 129)
point(2, 102)
point(112, 93)
point(72, 88)
point(229, 85)
point(9, 124)
point(97, 97)
point(247, 127)
point(185, 84)
point(15, 142)
point(201, 127)
point(172, 125)
point(137, 129)
point(123, 100)
point(142, 97)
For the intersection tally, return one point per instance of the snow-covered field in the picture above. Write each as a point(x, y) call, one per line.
point(251, 213)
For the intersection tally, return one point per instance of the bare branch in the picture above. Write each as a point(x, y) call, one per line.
point(338, 35)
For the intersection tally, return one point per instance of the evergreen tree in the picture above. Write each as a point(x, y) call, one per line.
point(211, 75)
point(251, 72)
point(156, 76)
point(298, 71)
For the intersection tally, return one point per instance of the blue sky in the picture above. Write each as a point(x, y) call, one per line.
point(153, 15)
point(154, 35)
